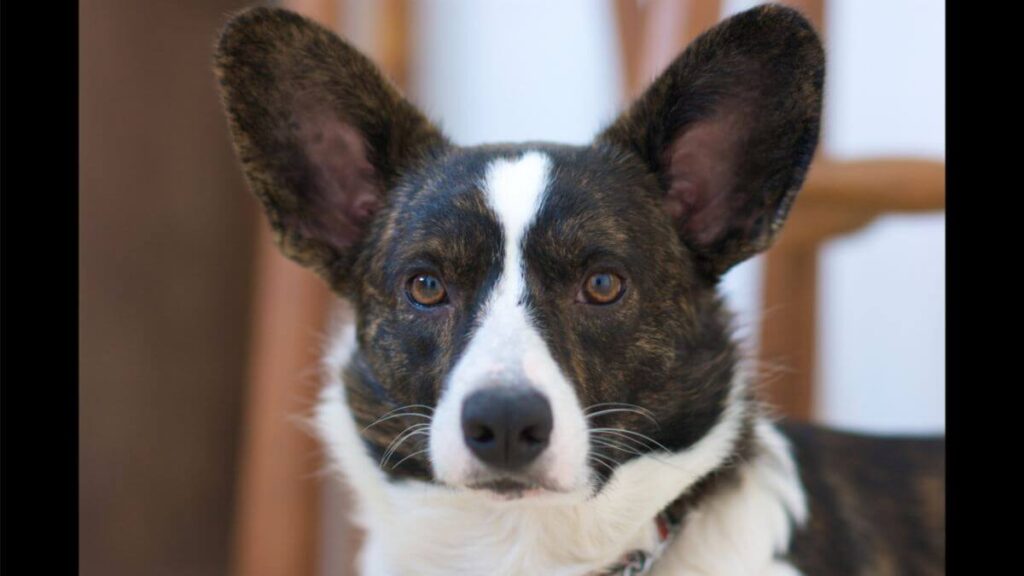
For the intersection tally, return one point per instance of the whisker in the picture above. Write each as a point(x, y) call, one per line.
point(630, 410)
point(628, 440)
point(609, 444)
point(388, 414)
point(385, 418)
point(606, 460)
point(608, 457)
point(597, 476)
point(625, 435)
point(645, 411)
point(604, 477)
point(402, 437)
point(603, 461)
point(409, 456)
point(424, 406)
point(629, 434)
point(394, 450)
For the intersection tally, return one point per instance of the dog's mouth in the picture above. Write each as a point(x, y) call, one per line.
point(512, 489)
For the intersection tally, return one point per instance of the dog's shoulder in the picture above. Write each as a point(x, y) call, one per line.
point(876, 503)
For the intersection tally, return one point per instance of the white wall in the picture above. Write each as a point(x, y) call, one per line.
point(508, 70)
point(505, 70)
point(883, 290)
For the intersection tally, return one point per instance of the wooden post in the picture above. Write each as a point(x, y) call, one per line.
point(278, 517)
point(653, 32)
point(279, 496)
point(789, 301)
point(788, 329)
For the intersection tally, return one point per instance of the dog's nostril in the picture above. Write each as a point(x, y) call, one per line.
point(506, 427)
point(479, 433)
point(533, 435)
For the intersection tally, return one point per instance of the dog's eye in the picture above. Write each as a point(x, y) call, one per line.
point(426, 290)
point(602, 288)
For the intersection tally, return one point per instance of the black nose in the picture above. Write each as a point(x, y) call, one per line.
point(506, 427)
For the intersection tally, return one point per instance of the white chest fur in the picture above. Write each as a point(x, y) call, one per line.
point(419, 529)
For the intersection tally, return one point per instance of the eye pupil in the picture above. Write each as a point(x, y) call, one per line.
point(426, 290)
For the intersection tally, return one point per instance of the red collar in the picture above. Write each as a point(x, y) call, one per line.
point(640, 561)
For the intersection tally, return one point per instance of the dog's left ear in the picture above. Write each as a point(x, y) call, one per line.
point(729, 129)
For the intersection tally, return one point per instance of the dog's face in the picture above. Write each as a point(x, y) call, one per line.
point(529, 317)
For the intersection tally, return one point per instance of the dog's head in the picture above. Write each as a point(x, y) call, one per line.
point(530, 315)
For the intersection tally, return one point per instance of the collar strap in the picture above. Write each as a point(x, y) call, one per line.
point(641, 560)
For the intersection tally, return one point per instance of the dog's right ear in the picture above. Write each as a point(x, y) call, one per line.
point(321, 134)
point(729, 128)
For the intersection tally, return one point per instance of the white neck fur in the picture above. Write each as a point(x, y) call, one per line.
point(424, 529)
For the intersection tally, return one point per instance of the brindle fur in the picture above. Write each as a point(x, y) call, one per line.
point(877, 505)
point(360, 187)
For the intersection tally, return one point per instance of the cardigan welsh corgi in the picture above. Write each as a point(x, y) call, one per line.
point(541, 377)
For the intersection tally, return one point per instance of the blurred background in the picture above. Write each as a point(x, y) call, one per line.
point(198, 343)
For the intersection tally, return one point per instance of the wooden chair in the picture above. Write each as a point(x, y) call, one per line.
point(838, 197)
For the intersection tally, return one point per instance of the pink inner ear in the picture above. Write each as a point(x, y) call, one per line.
point(346, 191)
point(701, 175)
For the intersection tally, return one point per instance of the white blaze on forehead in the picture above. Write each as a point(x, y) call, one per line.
point(514, 190)
point(506, 348)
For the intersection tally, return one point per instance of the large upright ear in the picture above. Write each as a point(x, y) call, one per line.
point(322, 136)
point(730, 128)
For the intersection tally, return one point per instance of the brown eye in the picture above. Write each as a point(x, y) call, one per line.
point(602, 288)
point(426, 290)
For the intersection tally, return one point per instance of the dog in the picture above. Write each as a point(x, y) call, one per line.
point(541, 377)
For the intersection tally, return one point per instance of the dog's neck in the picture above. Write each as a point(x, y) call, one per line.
point(742, 469)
